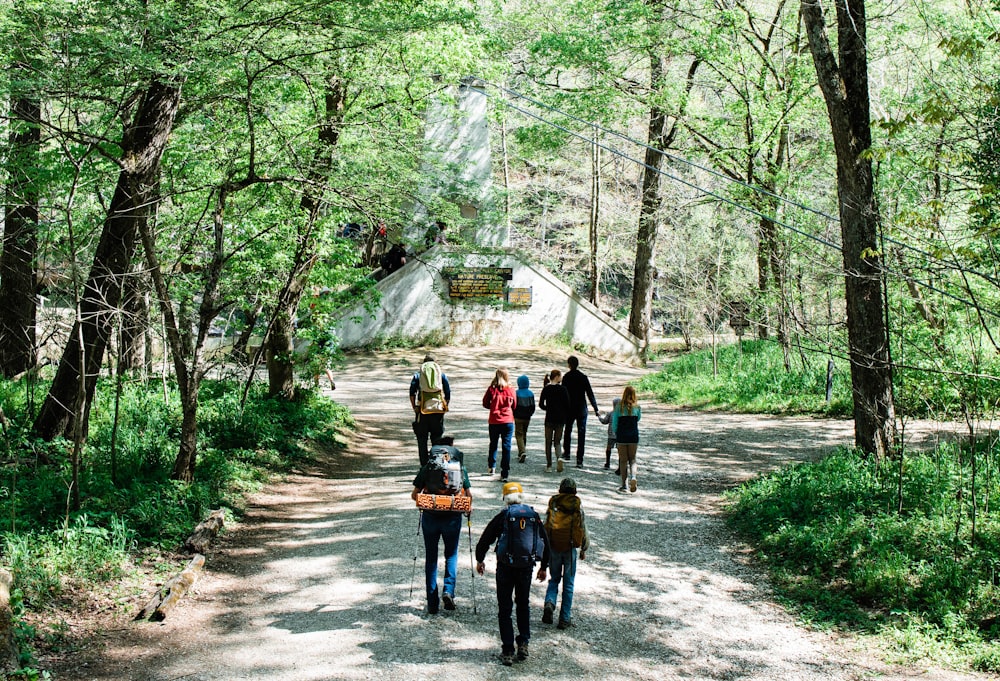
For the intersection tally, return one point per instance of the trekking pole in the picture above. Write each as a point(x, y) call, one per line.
point(472, 562)
point(415, 550)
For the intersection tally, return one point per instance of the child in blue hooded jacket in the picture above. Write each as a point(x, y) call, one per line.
point(523, 410)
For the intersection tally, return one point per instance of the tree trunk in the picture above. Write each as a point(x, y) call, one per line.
point(20, 240)
point(649, 219)
point(134, 324)
point(660, 136)
point(280, 340)
point(142, 146)
point(845, 89)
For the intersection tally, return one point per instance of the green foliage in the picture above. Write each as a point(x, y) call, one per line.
point(841, 551)
point(127, 496)
point(751, 378)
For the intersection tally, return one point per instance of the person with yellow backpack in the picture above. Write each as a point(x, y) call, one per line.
point(566, 529)
point(430, 394)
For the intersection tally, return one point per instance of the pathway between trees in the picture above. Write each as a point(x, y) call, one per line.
point(316, 582)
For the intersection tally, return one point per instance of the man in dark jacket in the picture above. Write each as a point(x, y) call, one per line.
point(578, 386)
point(514, 568)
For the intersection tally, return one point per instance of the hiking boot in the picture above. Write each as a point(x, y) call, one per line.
point(449, 601)
point(565, 624)
point(623, 489)
point(507, 659)
point(618, 471)
point(559, 466)
point(522, 652)
point(632, 485)
point(521, 458)
point(547, 613)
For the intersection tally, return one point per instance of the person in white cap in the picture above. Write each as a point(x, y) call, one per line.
point(520, 539)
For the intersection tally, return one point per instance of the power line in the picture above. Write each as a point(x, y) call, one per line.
point(950, 264)
point(749, 209)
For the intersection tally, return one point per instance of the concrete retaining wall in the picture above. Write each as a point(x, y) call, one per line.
point(416, 304)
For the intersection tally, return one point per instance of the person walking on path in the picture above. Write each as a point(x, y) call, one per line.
point(578, 386)
point(566, 530)
point(430, 394)
point(520, 538)
point(500, 400)
point(441, 525)
point(555, 402)
point(625, 423)
point(605, 418)
point(523, 410)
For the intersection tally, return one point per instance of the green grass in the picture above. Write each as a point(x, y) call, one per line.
point(842, 554)
point(128, 501)
point(752, 379)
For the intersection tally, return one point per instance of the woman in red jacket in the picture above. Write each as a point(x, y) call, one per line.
point(500, 400)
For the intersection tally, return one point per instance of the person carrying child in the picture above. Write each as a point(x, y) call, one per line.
point(523, 409)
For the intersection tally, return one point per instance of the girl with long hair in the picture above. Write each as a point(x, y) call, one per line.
point(625, 425)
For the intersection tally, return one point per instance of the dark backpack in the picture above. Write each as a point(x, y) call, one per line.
point(443, 475)
point(521, 539)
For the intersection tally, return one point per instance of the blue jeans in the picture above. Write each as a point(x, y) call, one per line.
point(513, 585)
point(562, 567)
point(435, 526)
point(502, 433)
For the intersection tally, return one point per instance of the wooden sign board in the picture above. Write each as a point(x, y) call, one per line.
point(519, 297)
point(477, 282)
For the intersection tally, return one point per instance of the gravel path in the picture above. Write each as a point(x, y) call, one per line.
point(316, 582)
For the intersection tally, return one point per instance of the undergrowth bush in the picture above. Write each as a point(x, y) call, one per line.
point(128, 500)
point(842, 549)
point(751, 378)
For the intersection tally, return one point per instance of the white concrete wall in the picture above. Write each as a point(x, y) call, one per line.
point(415, 304)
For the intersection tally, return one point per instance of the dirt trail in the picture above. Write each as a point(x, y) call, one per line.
point(316, 582)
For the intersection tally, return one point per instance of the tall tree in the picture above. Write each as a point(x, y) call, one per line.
point(18, 310)
point(843, 79)
point(142, 146)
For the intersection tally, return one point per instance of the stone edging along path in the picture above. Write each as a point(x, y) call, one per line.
point(323, 579)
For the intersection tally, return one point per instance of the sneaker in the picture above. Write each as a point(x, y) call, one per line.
point(632, 485)
point(548, 469)
point(547, 613)
point(491, 471)
point(522, 652)
point(507, 659)
point(521, 458)
point(449, 601)
point(579, 464)
point(559, 466)
point(622, 489)
point(503, 479)
point(564, 624)
point(618, 471)
point(607, 466)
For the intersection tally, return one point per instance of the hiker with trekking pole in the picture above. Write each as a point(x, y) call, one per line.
point(442, 493)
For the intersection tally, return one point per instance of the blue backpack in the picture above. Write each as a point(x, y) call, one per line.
point(522, 540)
